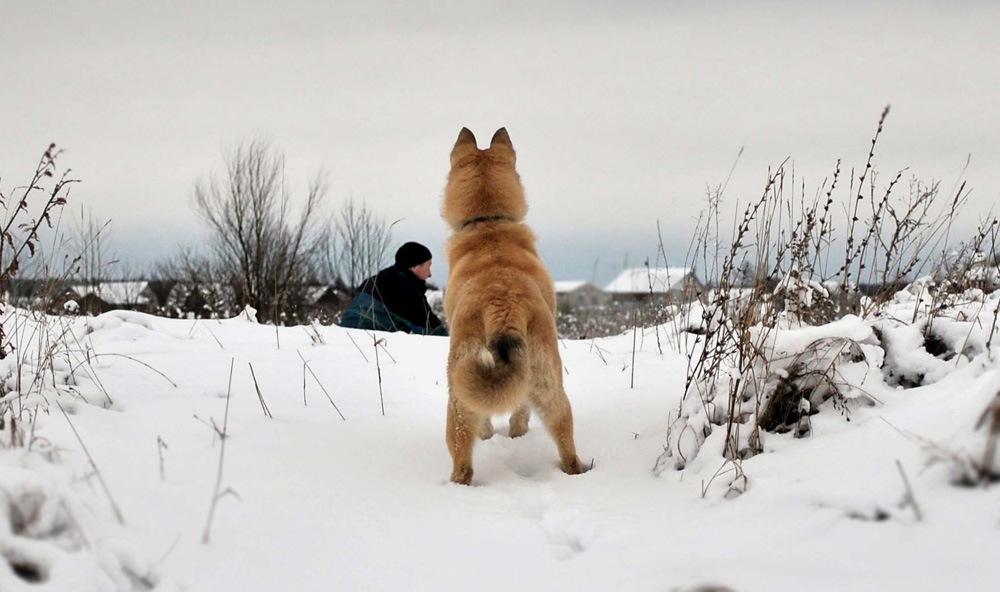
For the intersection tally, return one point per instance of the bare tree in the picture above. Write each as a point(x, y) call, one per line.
point(360, 243)
point(190, 282)
point(186, 265)
point(266, 253)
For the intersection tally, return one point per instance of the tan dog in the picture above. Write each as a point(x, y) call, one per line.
point(500, 304)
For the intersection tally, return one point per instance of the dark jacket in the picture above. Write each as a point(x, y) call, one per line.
point(393, 300)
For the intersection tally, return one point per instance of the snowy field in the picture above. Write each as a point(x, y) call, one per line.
point(311, 501)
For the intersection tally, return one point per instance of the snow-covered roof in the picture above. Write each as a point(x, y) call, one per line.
point(314, 293)
point(566, 286)
point(115, 292)
point(642, 280)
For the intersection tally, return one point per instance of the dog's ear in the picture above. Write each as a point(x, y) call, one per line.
point(465, 137)
point(501, 138)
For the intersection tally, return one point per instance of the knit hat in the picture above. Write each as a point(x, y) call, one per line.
point(412, 254)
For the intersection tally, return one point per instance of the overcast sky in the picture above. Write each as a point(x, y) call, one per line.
point(622, 112)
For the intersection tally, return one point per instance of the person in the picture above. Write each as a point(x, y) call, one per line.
point(394, 299)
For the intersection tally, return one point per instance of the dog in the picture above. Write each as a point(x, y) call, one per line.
point(500, 305)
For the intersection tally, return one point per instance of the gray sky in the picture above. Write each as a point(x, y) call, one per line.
point(621, 115)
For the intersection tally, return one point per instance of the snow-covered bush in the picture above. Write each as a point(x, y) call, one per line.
point(49, 361)
point(787, 376)
point(803, 300)
point(771, 376)
point(803, 338)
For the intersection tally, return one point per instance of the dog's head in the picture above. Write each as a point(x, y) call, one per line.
point(483, 184)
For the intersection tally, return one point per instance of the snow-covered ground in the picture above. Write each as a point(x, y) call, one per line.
point(311, 501)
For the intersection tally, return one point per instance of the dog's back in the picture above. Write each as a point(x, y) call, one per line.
point(500, 304)
point(499, 297)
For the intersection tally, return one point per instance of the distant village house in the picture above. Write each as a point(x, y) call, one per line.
point(575, 294)
point(664, 284)
point(100, 297)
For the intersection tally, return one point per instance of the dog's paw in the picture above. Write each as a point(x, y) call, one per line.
point(516, 431)
point(462, 475)
point(573, 467)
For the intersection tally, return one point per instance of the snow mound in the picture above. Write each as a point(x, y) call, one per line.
point(50, 539)
point(967, 444)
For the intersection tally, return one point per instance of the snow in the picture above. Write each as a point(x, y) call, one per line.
point(315, 502)
point(642, 280)
point(566, 286)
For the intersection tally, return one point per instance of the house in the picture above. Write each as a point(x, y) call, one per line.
point(653, 283)
point(36, 294)
point(26, 293)
point(100, 297)
point(576, 294)
point(161, 290)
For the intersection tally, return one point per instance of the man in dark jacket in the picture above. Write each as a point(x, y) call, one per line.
point(394, 299)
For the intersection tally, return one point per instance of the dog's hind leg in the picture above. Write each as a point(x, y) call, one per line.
point(557, 415)
point(463, 426)
point(519, 420)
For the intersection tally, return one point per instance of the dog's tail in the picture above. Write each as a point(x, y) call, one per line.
point(494, 374)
